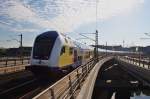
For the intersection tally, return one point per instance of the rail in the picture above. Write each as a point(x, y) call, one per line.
point(88, 87)
point(138, 62)
point(13, 62)
point(10, 65)
point(137, 68)
point(67, 86)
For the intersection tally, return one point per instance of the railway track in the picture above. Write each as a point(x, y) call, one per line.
point(115, 82)
point(29, 86)
point(14, 91)
point(25, 90)
point(10, 82)
point(23, 85)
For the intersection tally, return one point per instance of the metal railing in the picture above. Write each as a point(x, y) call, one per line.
point(135, 61)
point(13, 62)
point(67, 86)
point(88, 87)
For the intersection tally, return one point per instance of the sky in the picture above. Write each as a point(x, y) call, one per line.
point(117, 20)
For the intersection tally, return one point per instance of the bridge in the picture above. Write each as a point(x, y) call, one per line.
point(112, 77)
point(108, 78)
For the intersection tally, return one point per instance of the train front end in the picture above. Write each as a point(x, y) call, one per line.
point(44, 55)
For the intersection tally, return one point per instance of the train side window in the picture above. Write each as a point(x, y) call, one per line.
point(70, 50)
point(62, 50)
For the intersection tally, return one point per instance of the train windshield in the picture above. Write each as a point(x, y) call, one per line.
point(43, 46)
point(42, 49)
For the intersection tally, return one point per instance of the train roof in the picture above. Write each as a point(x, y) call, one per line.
point(112, 51)
point(77, 44)
point(82, 46)
point(66, 40)
point(73, 43)
point(49, 34)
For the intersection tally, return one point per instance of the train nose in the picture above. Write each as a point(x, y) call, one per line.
point(40, 62)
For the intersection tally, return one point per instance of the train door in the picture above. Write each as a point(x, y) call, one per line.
point(80, 56)
point(75, 56)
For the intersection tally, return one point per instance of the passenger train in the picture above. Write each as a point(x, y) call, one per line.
point(55, 53)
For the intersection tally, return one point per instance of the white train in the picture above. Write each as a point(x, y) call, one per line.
point(53, 52)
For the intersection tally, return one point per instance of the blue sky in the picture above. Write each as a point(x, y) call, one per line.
point(118, 20)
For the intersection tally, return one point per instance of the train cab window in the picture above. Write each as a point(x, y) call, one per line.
point(70, 51)
point(62, 50)
point(44, 44)
point(42, 49)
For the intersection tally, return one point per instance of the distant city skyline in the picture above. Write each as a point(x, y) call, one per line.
point(118, 20)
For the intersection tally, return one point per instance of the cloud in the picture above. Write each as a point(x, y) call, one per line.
point(109, 8)
point(62, 15)
point(80, 12)
point(24, 30)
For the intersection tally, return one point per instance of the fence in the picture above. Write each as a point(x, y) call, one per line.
point(13, 62)
point(67, 87)
point(138, 62)
point(10, 65)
